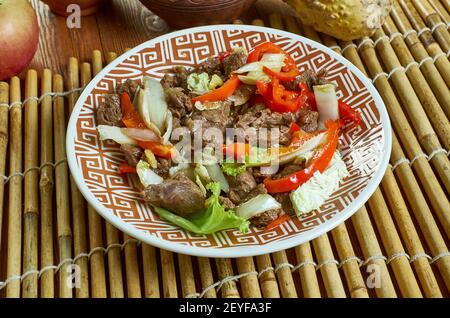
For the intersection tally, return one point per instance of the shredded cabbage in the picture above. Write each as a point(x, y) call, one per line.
point(200, 83)
point(114, 133)
point(327, 103)
point(147, 175)
point(313, 193)
point(257, 205)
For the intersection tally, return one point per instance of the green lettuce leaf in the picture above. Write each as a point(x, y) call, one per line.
point(213, 219)
point(232, 168)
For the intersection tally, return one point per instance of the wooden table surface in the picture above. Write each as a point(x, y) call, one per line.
point(118, 25)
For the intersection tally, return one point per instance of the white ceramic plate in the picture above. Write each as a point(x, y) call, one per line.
point(365, 149)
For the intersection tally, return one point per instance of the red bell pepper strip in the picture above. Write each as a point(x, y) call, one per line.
point(308, 97)
point(320, 162)
point(130, 117)
point(293, 128)
point(125, 168)
point(284, 100)
point(287, 76)
point(348, 113)
point(265, 47)
point(277, 222)
point(264, 89)
point(158, 149)
point(221, 93)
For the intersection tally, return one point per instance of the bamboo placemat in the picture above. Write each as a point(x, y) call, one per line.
point(398, 241)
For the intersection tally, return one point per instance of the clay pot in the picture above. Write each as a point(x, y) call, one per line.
point(87, 7)
point(188, 13)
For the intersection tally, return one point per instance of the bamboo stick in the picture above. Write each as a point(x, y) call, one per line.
point(355, 281)
point(417, 111)
point(169, 279)
point(14, 250)
point(132, 268)
point(267, 280)
point(284, 275)
point(421, 212)
point(396, 115)
point(97, 62)
point(446, 3)
point(4, 99)
point(225, 269)
point(78, 204)
point(150, 268)
point(416, 46)
point(370, 248)
point(258, 22)
point(440, 9)
point(329, 271)
point(433, 20)
point(97, 261)
point(393, 246)
point(430, 73)
point(31, 193)
point(249, 284)
point(206, 276)
point(410, 237)
point(439, 6)
point(186, 275)
point(308, 278)
point(418, 24)
point(46, 186)
point(114, 263)
point(114, 258)
point(62, 191)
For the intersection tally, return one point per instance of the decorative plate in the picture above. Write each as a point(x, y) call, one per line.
point(365, 149)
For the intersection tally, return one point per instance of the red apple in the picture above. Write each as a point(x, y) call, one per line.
point(19, 36)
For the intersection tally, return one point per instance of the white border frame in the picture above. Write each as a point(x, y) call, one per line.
point(238, 251)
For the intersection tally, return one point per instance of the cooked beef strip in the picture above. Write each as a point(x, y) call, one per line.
point(132, 154)
point(287, 170)
point(178, 102)
point(242, 94)
point(219, 117)
point(129, 86)
point(109, 112)
point(178, 194)
point(259, 116)
point(177, 78)
point(234, 61)
point(286, 203)
point(310, 77)
point(210, 66)
point(226, 203)
point(163, 167)
point(308, 120)
point(240, 186)
point(261, 220)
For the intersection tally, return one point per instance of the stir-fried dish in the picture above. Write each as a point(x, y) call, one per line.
point(241, 139)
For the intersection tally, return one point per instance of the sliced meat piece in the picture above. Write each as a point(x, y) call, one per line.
point(287, 170)
point(226, 203)
point(308, 120)
point(219, 117)
point(265, 218)
point(233, 62)
point(178, 102)
point(109, 112)
point(176, 78)
point(240, 186)
point(163, 167)
point(259, 116)
point(129, 86)
point(132, 154)
point(178, 194)
point(286, 203)
point(210, 66)
point(310, 77)
point(259, 189)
